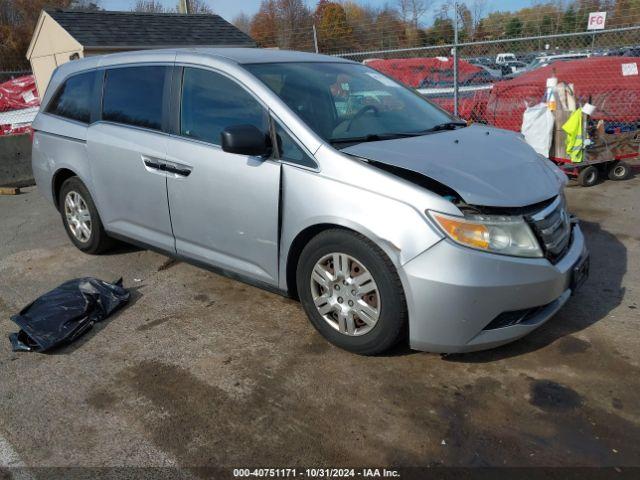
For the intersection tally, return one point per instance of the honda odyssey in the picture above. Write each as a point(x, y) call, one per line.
point(319, 178)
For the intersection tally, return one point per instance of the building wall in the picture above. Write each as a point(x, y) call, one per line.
point(50, 47)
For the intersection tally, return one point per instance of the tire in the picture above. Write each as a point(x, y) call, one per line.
point(619, 171)
point(588, 176)
point(379, 332)
point(96, 241)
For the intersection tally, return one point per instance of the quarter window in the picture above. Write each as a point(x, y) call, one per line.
point(73, 100)
point(290, 151)
point(211, 102)
point(133, 96)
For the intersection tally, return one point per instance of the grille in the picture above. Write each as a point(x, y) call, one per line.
point(552, 226)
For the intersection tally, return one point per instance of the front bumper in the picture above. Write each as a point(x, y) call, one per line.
point(454, 293)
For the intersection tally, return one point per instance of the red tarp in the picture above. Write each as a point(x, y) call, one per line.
point(19, 93)
point(471, 105)
point(10, 130)
point(412, 71)
point(597, 80)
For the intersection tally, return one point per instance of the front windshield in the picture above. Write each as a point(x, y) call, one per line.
point(347, 101)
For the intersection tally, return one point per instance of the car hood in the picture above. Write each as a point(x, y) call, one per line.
point(485, 166)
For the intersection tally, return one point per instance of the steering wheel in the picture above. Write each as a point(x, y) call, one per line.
point(361, 112)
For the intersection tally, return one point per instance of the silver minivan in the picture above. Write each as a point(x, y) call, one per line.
point(318, 178)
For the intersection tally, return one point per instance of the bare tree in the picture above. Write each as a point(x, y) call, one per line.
point(412, 10)
point(243, 22)
point(87, 5)
point(477, 8)
point(149, 6)
point(294, 16)
point(199, 6)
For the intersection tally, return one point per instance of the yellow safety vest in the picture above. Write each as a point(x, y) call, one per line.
point(573, 129)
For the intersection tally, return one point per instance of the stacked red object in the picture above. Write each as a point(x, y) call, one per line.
point(19, 93)
point(412, 71)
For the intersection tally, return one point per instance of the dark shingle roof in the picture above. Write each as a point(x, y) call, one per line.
point(131, 29)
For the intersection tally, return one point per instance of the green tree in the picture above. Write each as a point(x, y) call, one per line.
point(569, 20)
point(514, 28)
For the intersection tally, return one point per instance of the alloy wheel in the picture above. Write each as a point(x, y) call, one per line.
point(78, 216)
point(345, 294)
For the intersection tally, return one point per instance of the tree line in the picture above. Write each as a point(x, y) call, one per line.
point(351, 26)
point(347, 25)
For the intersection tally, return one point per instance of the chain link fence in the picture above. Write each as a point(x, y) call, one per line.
point(12, 65)
point(494, 76)
point(491, 66)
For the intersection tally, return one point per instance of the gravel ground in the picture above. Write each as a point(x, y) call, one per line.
point(201, 370)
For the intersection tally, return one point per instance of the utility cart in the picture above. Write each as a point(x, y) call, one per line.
point(606, 148)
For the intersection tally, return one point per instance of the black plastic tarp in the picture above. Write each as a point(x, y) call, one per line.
point(66, 312)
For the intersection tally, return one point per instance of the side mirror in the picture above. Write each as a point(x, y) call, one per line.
point(245, 140)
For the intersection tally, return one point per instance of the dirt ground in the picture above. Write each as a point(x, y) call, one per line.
point(200, 370)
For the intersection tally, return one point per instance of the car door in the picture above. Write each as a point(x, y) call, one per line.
point(126, 150)
point(224, 206)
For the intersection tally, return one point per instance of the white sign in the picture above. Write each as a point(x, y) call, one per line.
point(28, 96)
point(629, 69)
point(596, 20)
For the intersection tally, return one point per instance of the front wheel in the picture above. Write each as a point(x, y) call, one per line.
point(351, 292)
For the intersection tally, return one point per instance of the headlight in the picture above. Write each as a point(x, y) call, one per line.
point(492, 233)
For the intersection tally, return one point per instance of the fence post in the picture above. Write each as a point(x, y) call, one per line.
point(455, 58)
point(315, 38)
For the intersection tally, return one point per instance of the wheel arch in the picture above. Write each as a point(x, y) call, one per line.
point(304, 237)
point(58, 179)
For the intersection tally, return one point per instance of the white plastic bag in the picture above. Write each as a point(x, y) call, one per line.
point(537, 128)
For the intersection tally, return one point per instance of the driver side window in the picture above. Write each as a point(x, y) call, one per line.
point(211, 102)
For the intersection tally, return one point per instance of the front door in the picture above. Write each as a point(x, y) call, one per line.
point(224, 206)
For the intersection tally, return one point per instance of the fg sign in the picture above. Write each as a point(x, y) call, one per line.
point(596, 20)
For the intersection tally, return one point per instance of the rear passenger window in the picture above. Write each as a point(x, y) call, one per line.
point(133, 96)
point(73, 100)
point(212, 102)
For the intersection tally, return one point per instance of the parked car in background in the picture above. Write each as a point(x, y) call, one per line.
point(505, 57)
point(632, 52)
point(485, 61)
point(387, 218)
point(415, 71)
point(494, 71)
point(513, 67)
point(545, 60)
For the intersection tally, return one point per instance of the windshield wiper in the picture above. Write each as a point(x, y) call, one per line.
point(374, 137)
point(445, 126)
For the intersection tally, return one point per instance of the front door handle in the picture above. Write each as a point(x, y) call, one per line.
point(180, 171)
point(154, 164)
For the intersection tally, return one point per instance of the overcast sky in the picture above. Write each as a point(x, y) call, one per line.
point(230, 8)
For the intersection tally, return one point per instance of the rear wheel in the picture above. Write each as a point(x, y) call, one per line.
point(80, 217)
point(619, 171)
point(351, 292)
point(588, 176)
